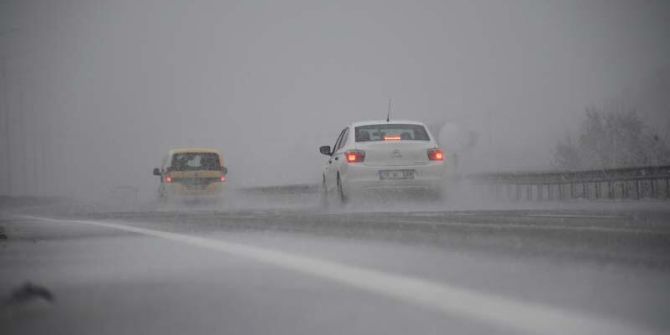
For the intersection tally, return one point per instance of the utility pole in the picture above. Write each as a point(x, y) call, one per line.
point(23, 140)
point(8, 128)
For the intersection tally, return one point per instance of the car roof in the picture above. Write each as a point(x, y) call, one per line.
point(374, 122)
point(194, 150)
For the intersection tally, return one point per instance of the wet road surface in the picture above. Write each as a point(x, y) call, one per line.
point(305, 271)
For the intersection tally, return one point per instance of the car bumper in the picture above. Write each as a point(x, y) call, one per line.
point(361, 177)
point(180, 190)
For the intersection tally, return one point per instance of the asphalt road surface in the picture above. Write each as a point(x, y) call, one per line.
point(307, 271)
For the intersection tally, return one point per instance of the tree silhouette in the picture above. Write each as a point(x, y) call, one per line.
point(612, 137)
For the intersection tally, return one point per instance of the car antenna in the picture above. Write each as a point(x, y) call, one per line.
point(388, 113)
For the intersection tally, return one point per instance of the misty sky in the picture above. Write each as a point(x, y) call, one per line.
point(97, 91)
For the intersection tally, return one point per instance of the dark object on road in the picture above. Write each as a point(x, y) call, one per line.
point(28, 292)
point(3, 236)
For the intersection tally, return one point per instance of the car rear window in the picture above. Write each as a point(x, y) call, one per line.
point(189, 161)
point(391, 132)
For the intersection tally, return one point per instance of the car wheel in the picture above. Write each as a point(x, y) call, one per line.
point(324, 194)
point(340, 190)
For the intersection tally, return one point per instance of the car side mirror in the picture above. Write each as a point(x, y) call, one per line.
point(157, 172)
point(325, 150)
point(224, 170)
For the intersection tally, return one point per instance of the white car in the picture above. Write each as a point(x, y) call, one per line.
point(383, 156)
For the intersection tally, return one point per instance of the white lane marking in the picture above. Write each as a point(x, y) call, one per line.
point(529, 318)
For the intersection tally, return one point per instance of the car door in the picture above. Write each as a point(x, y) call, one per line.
point(332, 167)
point(338, 154)
point(163, 169)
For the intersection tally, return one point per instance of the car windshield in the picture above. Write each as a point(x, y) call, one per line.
point(189, 161)
point(391, 132)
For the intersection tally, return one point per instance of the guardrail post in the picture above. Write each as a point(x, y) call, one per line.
point(533, 192)
point(610, 194)
point(518, 192)
point(637, 189)
point(597, 190)
point(653, 188)
point(559, 191)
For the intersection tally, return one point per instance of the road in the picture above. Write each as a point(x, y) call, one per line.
point(309, 271)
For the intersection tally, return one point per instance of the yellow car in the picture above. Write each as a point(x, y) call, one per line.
point(191, 172)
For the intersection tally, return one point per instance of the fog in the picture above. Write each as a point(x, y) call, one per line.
point(95, 92)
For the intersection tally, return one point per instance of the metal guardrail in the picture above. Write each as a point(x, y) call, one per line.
point(625, 183)
point(651, 182)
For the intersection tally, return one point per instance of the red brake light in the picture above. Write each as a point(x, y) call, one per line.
point(355, 156)
point(435, 155)
point(223, 178)
point(168, 179)
point(392, 138)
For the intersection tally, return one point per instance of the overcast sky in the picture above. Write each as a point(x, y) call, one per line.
point(97, 91)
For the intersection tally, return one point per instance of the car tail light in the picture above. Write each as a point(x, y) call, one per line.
point(168, 179)
point(435, 155)
point(392, 138)
point(223, 178)
point(355, 156)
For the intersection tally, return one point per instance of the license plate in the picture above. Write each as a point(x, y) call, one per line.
point(195, 184)
point(196, 187)
point(396, 174)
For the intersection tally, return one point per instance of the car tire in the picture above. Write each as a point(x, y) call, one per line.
point(323, 201)
point(340, 191)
